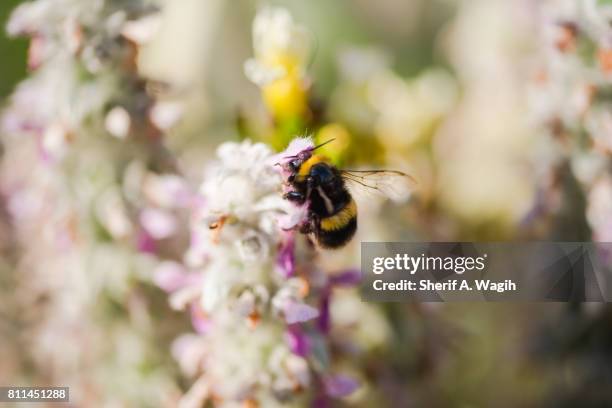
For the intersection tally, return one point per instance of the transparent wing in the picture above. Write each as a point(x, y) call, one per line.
point(391, 184)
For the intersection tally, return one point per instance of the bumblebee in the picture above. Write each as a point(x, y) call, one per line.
point(331, 219)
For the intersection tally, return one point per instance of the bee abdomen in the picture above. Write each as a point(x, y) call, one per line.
point(336, 230)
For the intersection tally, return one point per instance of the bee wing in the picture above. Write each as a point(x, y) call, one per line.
point(391, 184)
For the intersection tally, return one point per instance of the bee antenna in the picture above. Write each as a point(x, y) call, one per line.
point(323, 144)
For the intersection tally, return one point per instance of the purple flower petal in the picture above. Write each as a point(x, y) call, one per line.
point(298, 341)
point(285, 261)
point(350, 277)
point(324, 322)
point(299, 312)
point(145, 243)
point(339, 386)
point(321, 401)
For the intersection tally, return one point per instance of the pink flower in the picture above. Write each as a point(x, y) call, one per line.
point(158, 223)
point(171, 276)
point(199, 320)
point(145, 242)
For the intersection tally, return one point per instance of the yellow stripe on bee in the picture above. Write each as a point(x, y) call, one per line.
point(340, 220)
point(307, 165)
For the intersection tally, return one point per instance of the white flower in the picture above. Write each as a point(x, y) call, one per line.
point(599, 211)
point(243, 184)
point(55, 139)
point(112, 214)
point(289, 371)
point(279, 44)
point(217, 286)
point(253, 247)
point(166, 114)
point(274, 31)
point(29, 17)
point(246, 309)
point(288, 302)
point(143, 30)
point(117, 122)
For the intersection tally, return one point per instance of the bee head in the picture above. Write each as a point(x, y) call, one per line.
point(299, 151)
point(293, 163)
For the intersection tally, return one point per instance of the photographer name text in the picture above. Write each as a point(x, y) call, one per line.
point(482, 285)
point(425, 263)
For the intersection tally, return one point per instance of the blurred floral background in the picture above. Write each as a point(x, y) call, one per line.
point(143, 255)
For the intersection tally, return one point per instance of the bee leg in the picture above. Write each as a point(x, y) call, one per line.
point(295, 196)
point(311, 183)
point(306, 227)
point(309, 225)
point(311, 242)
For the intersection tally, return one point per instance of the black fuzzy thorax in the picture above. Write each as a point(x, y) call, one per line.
point(329, 180)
